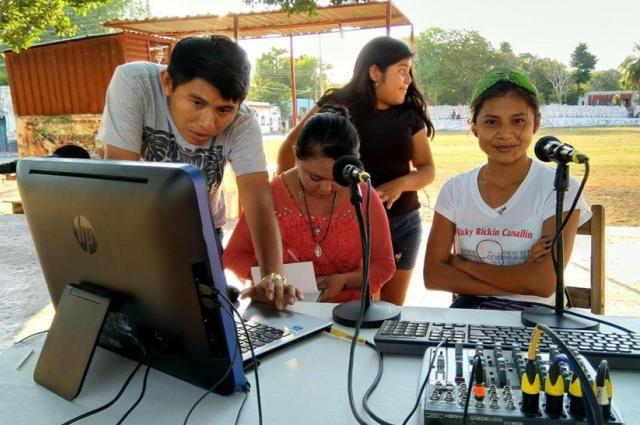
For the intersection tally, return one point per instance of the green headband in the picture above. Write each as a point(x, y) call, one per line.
point(495, 75)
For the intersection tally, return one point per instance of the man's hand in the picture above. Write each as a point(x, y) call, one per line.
point(273, 290)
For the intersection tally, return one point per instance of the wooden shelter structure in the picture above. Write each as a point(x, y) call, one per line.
point(59, 88)
point(329, 19)
point(71, 76)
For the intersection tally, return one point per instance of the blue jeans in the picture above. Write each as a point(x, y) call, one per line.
point(406, 231)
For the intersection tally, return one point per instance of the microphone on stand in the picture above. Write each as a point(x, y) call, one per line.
point(549, 149)
point(348, 171)
point(65, 151)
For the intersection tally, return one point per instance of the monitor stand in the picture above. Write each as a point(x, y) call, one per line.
point(72, 338)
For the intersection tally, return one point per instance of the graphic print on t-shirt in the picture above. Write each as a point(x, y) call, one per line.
point(497, 245)
point(161, 146)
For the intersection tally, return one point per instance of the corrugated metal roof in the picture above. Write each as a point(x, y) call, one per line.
point(271, 24)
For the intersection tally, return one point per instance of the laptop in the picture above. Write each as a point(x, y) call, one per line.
point(272, 329)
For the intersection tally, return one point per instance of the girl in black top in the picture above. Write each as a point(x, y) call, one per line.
point(391, 117)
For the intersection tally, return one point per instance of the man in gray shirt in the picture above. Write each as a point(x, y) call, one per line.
point(192, 112)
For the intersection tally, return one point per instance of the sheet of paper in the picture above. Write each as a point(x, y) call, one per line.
point(300, 274)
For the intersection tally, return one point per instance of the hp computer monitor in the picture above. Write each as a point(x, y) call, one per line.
point(129, 256)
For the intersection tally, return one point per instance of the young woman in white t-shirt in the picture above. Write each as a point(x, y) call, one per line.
point(500, 217)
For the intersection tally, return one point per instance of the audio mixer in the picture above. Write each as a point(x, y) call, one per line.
point(552, 396)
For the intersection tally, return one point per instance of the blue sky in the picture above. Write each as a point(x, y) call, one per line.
point(546, 28)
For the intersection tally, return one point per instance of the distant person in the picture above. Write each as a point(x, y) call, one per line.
point(500, 217)
point(192, 112)
point(316, 218)
point(453, 114)
point(283, 126)
point(394, 128)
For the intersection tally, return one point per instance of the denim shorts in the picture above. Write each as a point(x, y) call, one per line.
point(406, 231)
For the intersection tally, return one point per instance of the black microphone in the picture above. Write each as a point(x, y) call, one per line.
point(348, 170)
point(549, 148)
point(66, 151)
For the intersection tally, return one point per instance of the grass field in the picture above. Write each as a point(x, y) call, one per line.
point(614, 179)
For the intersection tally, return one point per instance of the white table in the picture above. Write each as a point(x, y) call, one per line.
point(303, 384)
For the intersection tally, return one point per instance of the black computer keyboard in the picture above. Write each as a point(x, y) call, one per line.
point(259, 333)
point(621, 350)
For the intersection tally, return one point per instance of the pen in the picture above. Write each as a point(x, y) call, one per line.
point(292, 255)
point(345, 335)
point(25, 358)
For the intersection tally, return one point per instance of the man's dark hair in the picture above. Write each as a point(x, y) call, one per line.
point(217, 60)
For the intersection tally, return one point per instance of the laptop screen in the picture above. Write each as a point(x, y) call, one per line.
point(143, 233)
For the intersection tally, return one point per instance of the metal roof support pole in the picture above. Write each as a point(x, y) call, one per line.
point(411, 39)
point(236, 28)
point(388, 17)
point(294, 100)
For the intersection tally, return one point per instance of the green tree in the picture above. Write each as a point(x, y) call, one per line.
point(630, 69)
point(298, 6)
point(4, 79)
point(22, 22)
point(608, 80)
point(91, 22)
point(272, 82)
point(449, 63)
point(25, 22)
point(505, 56)
point(584, 63)
point(533, 68)
point(558, 75)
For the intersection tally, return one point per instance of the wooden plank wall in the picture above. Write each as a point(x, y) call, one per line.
point(64, 78)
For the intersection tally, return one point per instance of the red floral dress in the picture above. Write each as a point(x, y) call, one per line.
point(341, 249)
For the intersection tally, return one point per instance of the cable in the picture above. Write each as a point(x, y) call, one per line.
point(244, 400)
point(426, 380)
point(29, 336)
point(232, 361)
point(109, 404)
point(587, 390)
point(476, 360)
point(365, 283)
point(574, 203)
point(253, 356)
point(570, 212)
point(584, 316)
point(144, 387)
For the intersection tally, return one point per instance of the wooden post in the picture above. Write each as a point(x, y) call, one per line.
point(294, 101)
point(236, 28)
point(411, 39)
point(388, 17)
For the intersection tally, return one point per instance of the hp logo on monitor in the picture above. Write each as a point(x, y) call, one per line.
point(85, 235)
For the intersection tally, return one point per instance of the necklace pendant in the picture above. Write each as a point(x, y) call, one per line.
point(316, 230)
point(317, 250)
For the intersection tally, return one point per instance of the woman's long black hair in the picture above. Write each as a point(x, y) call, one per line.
point(359, 94)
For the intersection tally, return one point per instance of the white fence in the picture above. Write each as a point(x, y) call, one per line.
point(450, 117)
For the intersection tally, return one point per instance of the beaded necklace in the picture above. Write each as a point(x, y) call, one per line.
point(315, 232)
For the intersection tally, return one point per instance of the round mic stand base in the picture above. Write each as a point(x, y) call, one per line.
point(348, 313)
point(547, 316)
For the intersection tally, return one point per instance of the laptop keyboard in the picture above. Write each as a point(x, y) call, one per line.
point(259, 333)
